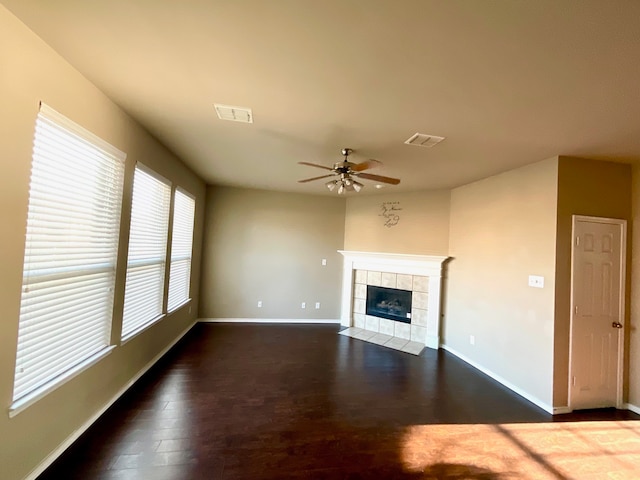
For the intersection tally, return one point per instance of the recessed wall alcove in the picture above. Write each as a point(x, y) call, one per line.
point(421, 274)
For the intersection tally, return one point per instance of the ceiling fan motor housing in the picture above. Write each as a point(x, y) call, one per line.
point(343, 167)
point(348, 172)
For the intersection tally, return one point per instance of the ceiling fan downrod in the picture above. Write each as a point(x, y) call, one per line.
point(348, 174)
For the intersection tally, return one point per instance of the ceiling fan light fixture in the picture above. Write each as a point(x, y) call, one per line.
point(346, 172)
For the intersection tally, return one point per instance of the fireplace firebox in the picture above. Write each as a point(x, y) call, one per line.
point(389, 303)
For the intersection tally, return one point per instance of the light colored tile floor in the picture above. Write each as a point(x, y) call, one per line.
point(347, 331)
point(401, 344)
point(380, 338)
point(413, 347)
point(396, 343)
point(367, 334)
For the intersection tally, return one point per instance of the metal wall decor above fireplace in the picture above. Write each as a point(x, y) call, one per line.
point(389, 303)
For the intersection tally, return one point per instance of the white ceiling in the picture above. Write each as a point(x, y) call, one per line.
point(507, 82)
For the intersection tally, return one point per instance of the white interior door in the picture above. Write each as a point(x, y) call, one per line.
point(598, 312)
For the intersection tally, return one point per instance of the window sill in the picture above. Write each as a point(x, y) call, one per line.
point(31, 398)
point(179, 306)
point(141, 329)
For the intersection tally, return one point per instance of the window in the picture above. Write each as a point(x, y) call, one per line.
point(71, 246)
point(146, 261)
point(181, 244)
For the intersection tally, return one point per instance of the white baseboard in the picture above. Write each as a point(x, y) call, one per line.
point(536, 401)
point(561, 410)
point(632, 407)
point(76, 434)
point(269, 320)
point(433, 341)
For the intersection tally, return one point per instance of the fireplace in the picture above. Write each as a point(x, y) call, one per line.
point(389, 303)
point(418, 275)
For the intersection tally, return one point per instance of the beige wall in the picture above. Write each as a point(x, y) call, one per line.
point(30, 72)
point(585, 187)
point(268, 246)
point(633, 331)
point(502, 231)
point(423, 227)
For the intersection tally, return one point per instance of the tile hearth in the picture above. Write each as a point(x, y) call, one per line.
point(405, 337)
point(368, 273)
point(407, 346)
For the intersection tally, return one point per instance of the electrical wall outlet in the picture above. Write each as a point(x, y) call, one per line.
point(472, 339)
point(303, 305)
point(324, 262)
point(317, 305)
point(259, 303)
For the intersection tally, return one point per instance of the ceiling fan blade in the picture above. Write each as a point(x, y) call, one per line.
point(315, 178)
point(380, 178)
point(367, 164)
point(314, 165)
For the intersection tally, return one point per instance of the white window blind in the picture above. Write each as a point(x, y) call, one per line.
point(144, 289)
point(184, 207)
point(70, 253)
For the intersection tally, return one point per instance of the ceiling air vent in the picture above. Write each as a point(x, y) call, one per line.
point(422, 140)
point(235, 114)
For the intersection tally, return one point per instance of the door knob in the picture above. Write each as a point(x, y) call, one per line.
point(616, 325)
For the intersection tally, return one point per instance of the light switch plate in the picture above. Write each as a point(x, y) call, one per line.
point(536, 281)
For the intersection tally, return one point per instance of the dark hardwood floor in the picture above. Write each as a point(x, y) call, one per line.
point(299, 401)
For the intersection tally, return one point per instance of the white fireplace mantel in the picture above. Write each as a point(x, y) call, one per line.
point(425, 265)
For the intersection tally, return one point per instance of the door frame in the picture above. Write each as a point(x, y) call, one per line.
point(621, 307)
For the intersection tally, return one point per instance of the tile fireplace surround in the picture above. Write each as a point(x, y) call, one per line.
point(421, 274)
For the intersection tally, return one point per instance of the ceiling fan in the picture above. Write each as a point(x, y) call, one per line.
point(347, 173)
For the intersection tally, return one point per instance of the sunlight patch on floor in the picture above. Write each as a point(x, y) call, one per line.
point(576, 450)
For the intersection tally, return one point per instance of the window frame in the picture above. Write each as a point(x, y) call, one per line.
point(179, 190)
point(59, 143)
point(141, 326)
